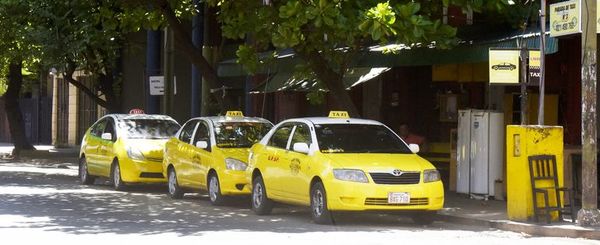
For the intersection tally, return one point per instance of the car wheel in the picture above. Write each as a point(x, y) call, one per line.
point(175, 191)
point(214, 190)
point(84, 176)
point(115, 176)
point(423, 218)
point(318, 205)
point(261, 204)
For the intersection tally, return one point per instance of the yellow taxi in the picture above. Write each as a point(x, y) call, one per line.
point(210, 153)
point(338, 163)
point(127, 148)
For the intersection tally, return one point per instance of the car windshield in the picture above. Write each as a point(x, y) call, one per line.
point(358, 138)
point(149, 128)
point(239, 134)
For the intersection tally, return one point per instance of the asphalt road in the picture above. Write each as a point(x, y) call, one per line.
point(40, 203)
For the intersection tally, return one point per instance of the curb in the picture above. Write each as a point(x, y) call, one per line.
point(531, 229)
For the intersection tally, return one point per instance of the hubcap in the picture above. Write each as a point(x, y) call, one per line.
point(318, 203)
point(172, 182)
point(213, 188)
point(257, 195)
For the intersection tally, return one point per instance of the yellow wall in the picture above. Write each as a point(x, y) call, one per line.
point(521, 142)
point(470, 72)
point(550, 109)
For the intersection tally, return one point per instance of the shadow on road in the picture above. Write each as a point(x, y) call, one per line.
point(58, 203)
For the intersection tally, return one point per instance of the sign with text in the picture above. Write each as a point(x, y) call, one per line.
point(504, 66)
point(565, 18)
point(157, 85)
point(534, 67)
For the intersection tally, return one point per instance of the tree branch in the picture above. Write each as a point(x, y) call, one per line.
point(68, 76)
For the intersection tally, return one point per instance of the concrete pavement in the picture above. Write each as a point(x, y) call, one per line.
point(459, 209)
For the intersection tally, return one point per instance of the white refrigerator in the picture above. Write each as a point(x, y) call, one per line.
point(480, 151)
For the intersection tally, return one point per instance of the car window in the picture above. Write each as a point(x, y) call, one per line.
point(110, 128)
point(149, 128)
point(280, 138)
point(202, 133)
point(187, 131)
point(358, 138)
point(240, 134)
point(301, 135)
point(98, 128)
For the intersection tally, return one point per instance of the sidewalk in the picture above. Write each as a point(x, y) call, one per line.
point(43, 153)
point(463, 210)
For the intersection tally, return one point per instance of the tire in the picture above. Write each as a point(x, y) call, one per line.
point(115, 176)
point(175, 192)
point(424, 218)
point(318, 205)
point(261, 204)
point(84, 175)
point(214, 190)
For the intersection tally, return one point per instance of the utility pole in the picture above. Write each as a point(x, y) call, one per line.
point(524, 55)
point(589, 214)
point(197, 40)
point(152, 69)
point(168, 50)
point(542, 62)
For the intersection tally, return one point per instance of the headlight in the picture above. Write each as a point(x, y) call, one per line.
point(353, 175)
point(134, 153)
point(234, 164)
point(431, 175)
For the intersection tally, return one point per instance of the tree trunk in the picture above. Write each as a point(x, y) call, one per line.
point(194, 54)
point(13, 110)
point(333, 81)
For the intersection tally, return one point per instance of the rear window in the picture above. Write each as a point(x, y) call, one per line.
point(358, 138)
point(149, 128)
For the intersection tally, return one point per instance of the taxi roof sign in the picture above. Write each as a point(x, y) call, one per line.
point(234, 114)
point(338, 114)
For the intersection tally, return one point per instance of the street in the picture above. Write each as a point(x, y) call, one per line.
point(46, 203)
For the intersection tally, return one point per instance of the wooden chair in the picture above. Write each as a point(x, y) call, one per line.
point(542, 168)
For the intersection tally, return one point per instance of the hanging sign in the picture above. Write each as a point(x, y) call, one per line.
point(565, 18)
point(157, 85)
point(534, 67)
point(504, 66)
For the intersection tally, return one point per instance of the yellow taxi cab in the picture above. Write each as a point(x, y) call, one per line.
point(127, 148)
point(210, 153)
point(338, 163)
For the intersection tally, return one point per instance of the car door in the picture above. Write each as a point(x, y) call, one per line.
point(275, 170)
point(91, 146)
point(106, 152)
point(298, 164)
point(201, 158)
point(183, 150)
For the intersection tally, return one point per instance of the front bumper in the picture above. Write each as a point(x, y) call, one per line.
point(234, 183)
point(141, 171)
point(352, 196)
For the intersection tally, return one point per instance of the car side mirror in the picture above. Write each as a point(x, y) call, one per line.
point(202, 144)
point(414, 148)
point(301, 147)
point(106, 136)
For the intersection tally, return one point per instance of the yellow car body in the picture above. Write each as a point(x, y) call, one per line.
point(212, 149)
point(126, 149)
point(299, 153)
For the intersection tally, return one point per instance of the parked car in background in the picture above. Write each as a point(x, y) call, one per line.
point(211, 153)
point(127, 148)
point(338, 163)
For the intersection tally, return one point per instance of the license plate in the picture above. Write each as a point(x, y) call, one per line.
point(399, 197)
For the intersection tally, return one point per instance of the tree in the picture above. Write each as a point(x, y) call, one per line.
point(328, 34)
point(15, 49)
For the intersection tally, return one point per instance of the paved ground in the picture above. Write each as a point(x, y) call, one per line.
point(45, 203)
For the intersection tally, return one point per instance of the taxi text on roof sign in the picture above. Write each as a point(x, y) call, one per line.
point(338, 114)
point(234, 114)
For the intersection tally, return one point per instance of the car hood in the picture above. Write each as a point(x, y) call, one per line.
point(152, 149)
point(372, 162)
point(237, 153)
